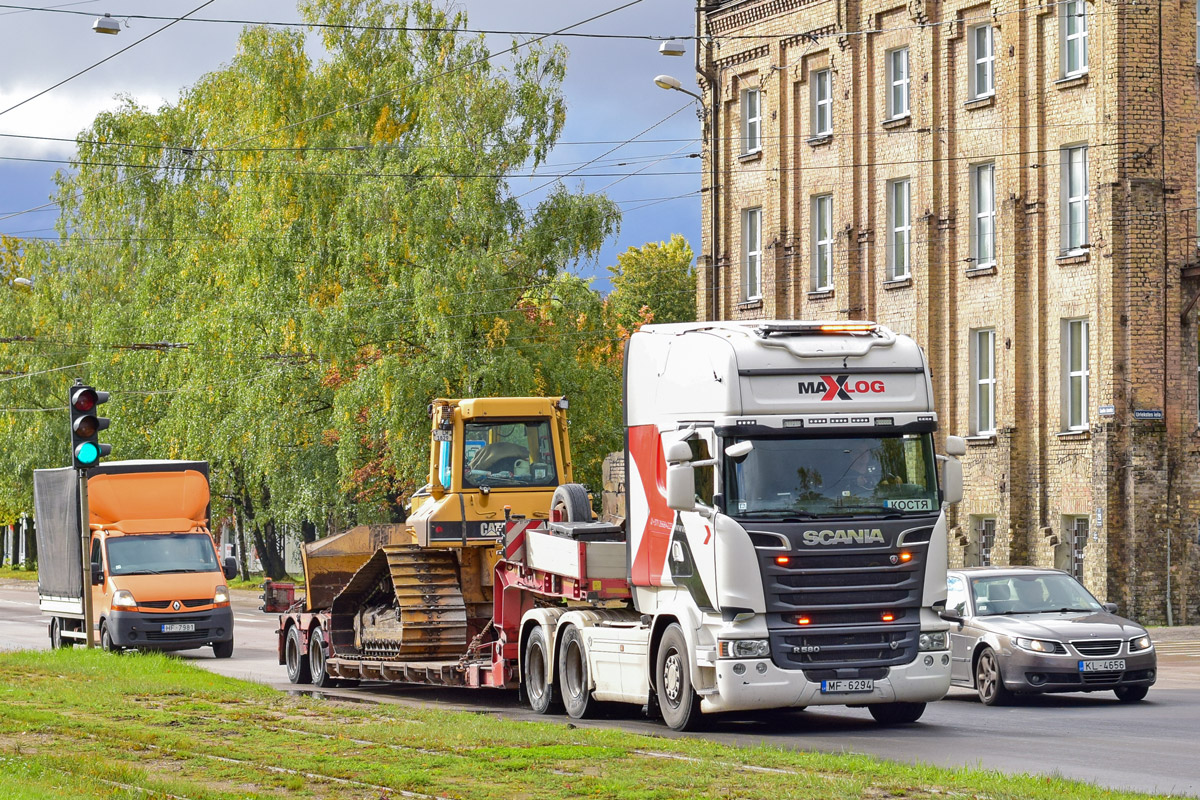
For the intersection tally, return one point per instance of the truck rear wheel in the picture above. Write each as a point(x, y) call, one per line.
point(317, 655)
point(536, 672)
point(677, 697)
point(570, 504)
point(573, 680)
point(294, 657)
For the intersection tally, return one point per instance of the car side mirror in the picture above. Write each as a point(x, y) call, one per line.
point(950, 615)
point(97, 574)
point(231, 568)
point(1110, 607)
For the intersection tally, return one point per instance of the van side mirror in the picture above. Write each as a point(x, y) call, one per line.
point(952, 480)
point(97, 574)
point(681, 487)
point(231, 568)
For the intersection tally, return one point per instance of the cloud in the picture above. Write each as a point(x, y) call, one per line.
point(59, 115)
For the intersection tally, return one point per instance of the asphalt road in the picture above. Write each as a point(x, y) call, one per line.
point(1149, 746)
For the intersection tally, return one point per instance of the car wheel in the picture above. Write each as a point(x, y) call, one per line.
point(223, 649)
point(989, 682)
point(316, 660)
point(896, 713)
point(293, 657)
point(536, 668)
point(1131, 694)
point(677, 698)
point(573, 675)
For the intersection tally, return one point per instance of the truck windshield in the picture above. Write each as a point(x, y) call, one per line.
point(154, 554)
point(508, 453)
point(859, 476)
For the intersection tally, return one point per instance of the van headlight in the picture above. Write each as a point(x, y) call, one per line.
point(931, 640)
point(221, 596)
point(744, 648)
point(123, 598)
point(1139, 644)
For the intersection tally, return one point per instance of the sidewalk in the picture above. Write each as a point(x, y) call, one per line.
point(1178, 633)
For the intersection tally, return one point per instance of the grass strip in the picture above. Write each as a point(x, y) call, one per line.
point(84, 723)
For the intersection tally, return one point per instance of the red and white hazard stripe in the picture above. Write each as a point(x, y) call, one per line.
point(514, 538)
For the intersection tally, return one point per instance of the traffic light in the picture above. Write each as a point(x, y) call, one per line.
point(86, 449)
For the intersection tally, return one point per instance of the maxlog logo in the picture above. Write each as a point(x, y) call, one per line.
point(839, 387)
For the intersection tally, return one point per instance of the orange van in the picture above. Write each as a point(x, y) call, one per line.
point(156, 579)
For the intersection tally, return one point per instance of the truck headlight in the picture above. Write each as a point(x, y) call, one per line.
point(221, 596)
point(1139, 644)
point(931, 640)
point(1038, 645)
point(123, 598)
point(744, 648)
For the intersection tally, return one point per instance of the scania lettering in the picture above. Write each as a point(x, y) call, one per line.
point(757, 552)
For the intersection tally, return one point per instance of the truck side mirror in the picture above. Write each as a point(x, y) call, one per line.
point(231, 568)
point(956, 446)
point(97, 574)
point(952, 480)
point(681, 487)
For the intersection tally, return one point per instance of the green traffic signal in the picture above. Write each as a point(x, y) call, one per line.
point(87, 453)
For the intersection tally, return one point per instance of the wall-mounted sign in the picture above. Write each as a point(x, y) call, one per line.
point(1107, 411)
point(1147, 413)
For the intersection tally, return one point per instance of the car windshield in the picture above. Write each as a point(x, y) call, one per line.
point(813, 477)
point(1031, 594)
point(155, 554)
point(508, 453)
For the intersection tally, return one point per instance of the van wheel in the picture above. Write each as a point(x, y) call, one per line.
point(317, 655)
point(573, 675)
point(106, 642)
point(536, 673)
point(570, 504)
point(223, 649)
point(677, 698)
point(896, 713)
point(56, 638)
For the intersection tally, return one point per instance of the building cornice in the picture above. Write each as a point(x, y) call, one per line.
point(739, 15)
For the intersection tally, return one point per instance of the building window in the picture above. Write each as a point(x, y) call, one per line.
point(983, 59)
point(751, 121)
point(822, 242)
point(1068, 555)
point(1075, 374)
point(983, 382)
point(822, 102)
point(897, 83)
point(1074, 190)
point(1073, 33)
point(752, 254)
point(983, 215)
point(982, 542)
point(899, 234)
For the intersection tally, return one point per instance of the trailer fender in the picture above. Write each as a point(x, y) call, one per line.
point(547, 619)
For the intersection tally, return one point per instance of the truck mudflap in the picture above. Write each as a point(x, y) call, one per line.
point(170, 631)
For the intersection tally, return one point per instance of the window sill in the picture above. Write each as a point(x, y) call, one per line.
point(753, 155)
point(980, 272)
point(820, 294)
point(898, 283)
point(1073, 258)
point(750, 305)
point(897, 122)
point(820, 141)
point(981, 440)
point(1074, 435)
point(1071, 81)
point(980, 102)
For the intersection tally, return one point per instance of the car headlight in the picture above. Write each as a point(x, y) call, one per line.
point(1038, 645)
point(123, 598)
point(932, 640)
point(221, 596)
point(1139, 644)
point(744, 648)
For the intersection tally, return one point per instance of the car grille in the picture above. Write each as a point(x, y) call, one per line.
point(1098, 647)
point(1101, 678)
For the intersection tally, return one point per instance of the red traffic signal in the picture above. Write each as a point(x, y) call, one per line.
point(85, 398)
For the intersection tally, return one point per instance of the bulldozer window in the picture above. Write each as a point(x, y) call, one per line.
point(508, 453)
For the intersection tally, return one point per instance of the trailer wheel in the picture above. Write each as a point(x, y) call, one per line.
point(677, 697)
point(316, 659)
point(573, 675)
point(294, 657)
point(536, 673)
point(570, 504)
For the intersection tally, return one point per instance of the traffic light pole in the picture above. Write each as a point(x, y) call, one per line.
point(86, 549)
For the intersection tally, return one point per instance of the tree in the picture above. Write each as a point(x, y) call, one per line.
point(653, 283)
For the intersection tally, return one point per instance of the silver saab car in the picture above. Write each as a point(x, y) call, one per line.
point(1031, 630)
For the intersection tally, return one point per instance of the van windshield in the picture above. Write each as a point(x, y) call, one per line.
point(155, 554)
point(812, 477)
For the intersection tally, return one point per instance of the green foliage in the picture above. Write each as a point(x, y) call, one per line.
point(279, 271)
point(653, 283)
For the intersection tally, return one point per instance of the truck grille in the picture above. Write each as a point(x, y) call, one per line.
point(1098, 647)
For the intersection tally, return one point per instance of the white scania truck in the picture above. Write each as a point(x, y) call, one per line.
point(783, 543)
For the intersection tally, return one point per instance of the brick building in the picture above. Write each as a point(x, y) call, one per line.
point(1015, 186)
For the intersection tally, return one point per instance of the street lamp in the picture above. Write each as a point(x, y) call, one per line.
point(106, 24)
point(669, 82)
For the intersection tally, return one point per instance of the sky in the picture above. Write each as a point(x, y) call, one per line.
point(613, 104)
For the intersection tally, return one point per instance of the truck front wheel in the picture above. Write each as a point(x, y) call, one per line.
point(536, 668)
point(896, 713)
point(677, 697)
point(293, 656)
point(573, 675)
